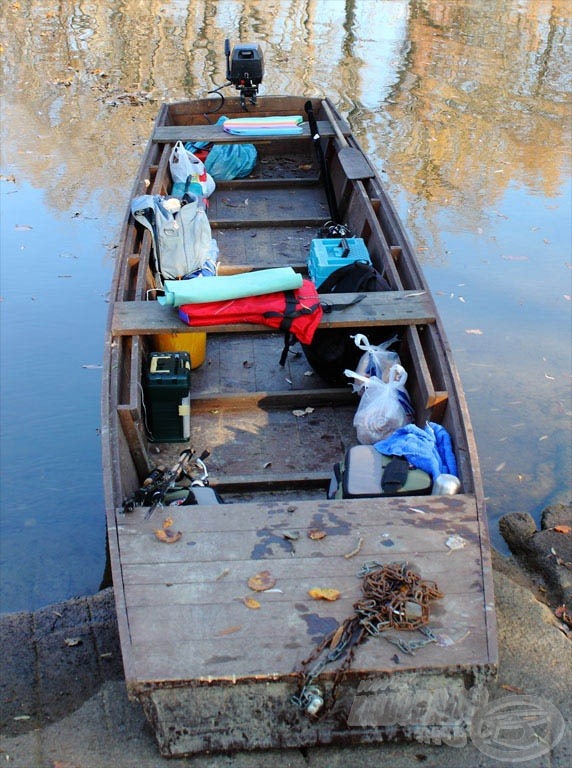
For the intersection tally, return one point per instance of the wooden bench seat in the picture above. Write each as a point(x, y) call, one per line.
point(376, 309)
point(169, 134)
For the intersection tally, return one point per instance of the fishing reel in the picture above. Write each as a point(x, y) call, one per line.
point(244, 69)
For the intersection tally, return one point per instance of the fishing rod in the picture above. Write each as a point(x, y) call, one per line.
point(317, 141)
point(169, 479)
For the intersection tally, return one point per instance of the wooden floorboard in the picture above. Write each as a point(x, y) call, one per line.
point(185, 601)
point(267, 207)
point(264, 247)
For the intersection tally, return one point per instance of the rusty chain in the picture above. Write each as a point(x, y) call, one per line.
point(394, 597)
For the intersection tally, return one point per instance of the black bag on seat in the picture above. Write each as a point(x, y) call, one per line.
point(333, 350)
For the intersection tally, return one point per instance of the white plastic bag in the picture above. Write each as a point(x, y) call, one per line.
point(376, 360)
point(183, 164)
point(384, 406)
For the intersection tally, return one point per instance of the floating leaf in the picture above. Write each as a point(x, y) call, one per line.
point(317, 593)
point(167, 536)
point(474, 331)
point(316, 534)
point(261, 581)
point(250, 602)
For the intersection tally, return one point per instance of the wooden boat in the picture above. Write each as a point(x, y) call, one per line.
point(213, 671)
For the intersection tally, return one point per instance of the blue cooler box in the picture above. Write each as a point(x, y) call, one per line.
point(328, 255)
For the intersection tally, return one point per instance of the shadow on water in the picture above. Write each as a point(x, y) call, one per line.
point(463, 107)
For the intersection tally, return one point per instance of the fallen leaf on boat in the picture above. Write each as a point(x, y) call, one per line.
point(292, 535)
point(316, 534)
point(304, 412)
point(305, 166)
point(262, 581)
point(71, 642)
point(317, 593)
point(167, 536)
point(230, 630)
point(474, 331)
point(167, 522)
point(337, 636)
point(355, 550)
point(19, 718)
point(550, 378)
point(456, 542)
point(222, 574)
point(250, 602)
point(562, 528)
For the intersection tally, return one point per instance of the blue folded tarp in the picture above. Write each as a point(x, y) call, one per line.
point(429, 449)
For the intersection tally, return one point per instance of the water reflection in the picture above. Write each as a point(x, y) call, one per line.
point(463, 105)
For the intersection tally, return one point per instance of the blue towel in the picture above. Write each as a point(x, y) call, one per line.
point(429, 449)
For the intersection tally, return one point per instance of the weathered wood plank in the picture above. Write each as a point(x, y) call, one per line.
point(197, 587)
point(389, 308)
point(272, 207)
point(216, 134)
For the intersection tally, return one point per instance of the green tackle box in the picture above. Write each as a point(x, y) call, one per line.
point(166, 387)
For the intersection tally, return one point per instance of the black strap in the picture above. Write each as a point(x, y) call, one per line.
point(394, 475)
point(289, 339)
point(329, 307)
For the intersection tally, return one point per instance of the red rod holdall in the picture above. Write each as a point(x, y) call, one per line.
point(297, 313)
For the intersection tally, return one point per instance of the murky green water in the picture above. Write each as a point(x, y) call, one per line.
point(464, 106)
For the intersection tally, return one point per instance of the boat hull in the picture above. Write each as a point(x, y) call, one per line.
point(214, 663)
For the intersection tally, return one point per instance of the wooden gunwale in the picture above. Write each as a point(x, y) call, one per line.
point(168, 666)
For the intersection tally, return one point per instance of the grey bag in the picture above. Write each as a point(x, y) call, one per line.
point(365, 474)
point(182, 240)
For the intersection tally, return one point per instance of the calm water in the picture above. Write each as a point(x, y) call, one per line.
point(465, 106)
